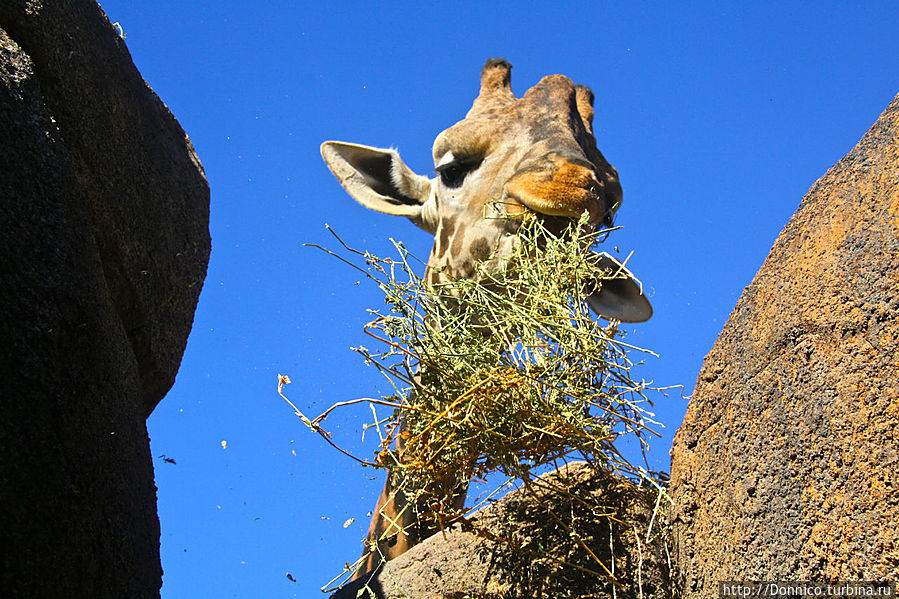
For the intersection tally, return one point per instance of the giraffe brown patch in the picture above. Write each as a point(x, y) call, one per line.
point(466, 269)
point(431, 277)
point(480, 249)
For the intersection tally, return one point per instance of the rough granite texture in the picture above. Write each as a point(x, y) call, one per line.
point(104, 234)
point(786, 464)
point(522, 546)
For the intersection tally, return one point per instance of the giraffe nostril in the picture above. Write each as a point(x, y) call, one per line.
point(569, 158)
point(581, 162)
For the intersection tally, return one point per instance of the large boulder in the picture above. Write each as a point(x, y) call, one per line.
point(567, 534)
point(104, 213)
point(786, 464)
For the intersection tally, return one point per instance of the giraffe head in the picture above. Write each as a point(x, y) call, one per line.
point(506, 157)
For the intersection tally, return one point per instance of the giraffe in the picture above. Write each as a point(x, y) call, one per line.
point(508, 155)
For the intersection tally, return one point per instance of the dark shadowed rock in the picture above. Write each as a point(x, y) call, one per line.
point(104, 224)
point(786, 465)
point(532, 544)
point(138, 175)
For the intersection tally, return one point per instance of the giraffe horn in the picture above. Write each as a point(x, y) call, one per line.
point(496, 76)
point(496, 85)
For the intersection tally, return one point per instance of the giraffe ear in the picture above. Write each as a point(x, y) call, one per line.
point(620, 297)
point(380, 180)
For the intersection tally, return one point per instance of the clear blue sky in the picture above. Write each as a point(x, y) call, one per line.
point(718, 117)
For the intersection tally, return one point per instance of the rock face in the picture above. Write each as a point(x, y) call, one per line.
point(532, 543)
point(104, 224)
point(785, 467)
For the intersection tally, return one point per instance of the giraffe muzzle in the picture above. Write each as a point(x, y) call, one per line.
point(565, 188)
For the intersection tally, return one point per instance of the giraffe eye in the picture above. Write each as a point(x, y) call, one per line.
point(452, 174)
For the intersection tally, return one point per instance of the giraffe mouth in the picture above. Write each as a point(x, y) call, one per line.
point(570, 207)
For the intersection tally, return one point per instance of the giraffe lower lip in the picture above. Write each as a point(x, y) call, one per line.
point(565, 209)
point(512, 207)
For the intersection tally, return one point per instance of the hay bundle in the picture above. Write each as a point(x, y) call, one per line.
point(504, 372)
